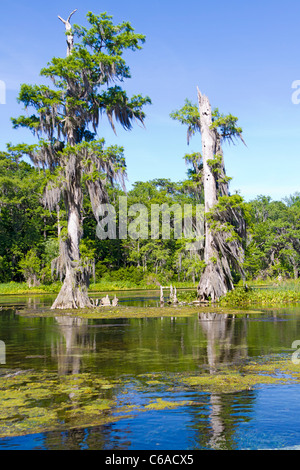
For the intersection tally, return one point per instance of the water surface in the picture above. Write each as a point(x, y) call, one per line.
point(144, 355)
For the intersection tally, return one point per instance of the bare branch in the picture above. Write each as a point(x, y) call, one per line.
point(64, 21)
point(67, 22)
point(71, 14)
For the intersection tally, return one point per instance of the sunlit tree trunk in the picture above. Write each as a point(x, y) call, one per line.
point(74, 292)
point(216, 278)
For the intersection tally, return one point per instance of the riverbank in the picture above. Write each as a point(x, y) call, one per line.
point(257, 293)
point(15, 288)
point(276, 294)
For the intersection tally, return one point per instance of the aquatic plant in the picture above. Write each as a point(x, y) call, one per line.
point(42, 401)
point(243, 297)
point(34, 402)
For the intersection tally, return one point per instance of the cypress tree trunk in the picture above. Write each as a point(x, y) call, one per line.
point(216, 278)
point(74, 291)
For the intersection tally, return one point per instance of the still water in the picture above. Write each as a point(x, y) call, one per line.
point(144, 355)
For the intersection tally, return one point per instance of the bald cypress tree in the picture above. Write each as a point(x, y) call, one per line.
point(225, 215)
point(65, 118)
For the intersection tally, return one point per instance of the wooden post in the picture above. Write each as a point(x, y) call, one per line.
point(161, 295)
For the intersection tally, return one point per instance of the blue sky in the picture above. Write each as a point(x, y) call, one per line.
point(243, 55)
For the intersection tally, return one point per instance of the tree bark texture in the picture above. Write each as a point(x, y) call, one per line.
point(216, 279)
point(74, 292)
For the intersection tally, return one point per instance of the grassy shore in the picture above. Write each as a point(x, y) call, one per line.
point(267, 294)
point(15, 288)
point(127, 285)
point(21, 288)
point(259, 293)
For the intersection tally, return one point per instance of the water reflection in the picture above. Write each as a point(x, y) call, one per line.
point(218, 332)
point(157, 348)
point(73, 342)
point(141, 298)
point(221, 335)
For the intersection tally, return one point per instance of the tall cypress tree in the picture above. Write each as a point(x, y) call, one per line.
point(65, 118)
point(225, 226)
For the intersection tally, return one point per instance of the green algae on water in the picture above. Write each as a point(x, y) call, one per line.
point(267, 371)
point(161, 404)
point(32, 402)
point(229, 383)
point(135, 312)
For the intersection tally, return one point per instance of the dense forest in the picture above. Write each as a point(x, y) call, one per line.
point(29, 233)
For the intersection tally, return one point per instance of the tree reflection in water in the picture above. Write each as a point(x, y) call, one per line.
point(225, 338)
point(220, 331)
point(74, 341)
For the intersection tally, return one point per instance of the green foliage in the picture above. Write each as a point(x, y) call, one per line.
point(230, 215)
point(103, 34)
point(189, 116)
point(131, 274)
point(30, 267)
point(187, 296)
point(24, 222)
point(247, 297)
point(226, 125)
point(215, 164)
point(273, 248)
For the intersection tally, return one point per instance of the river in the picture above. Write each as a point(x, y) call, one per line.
point(137, 362)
